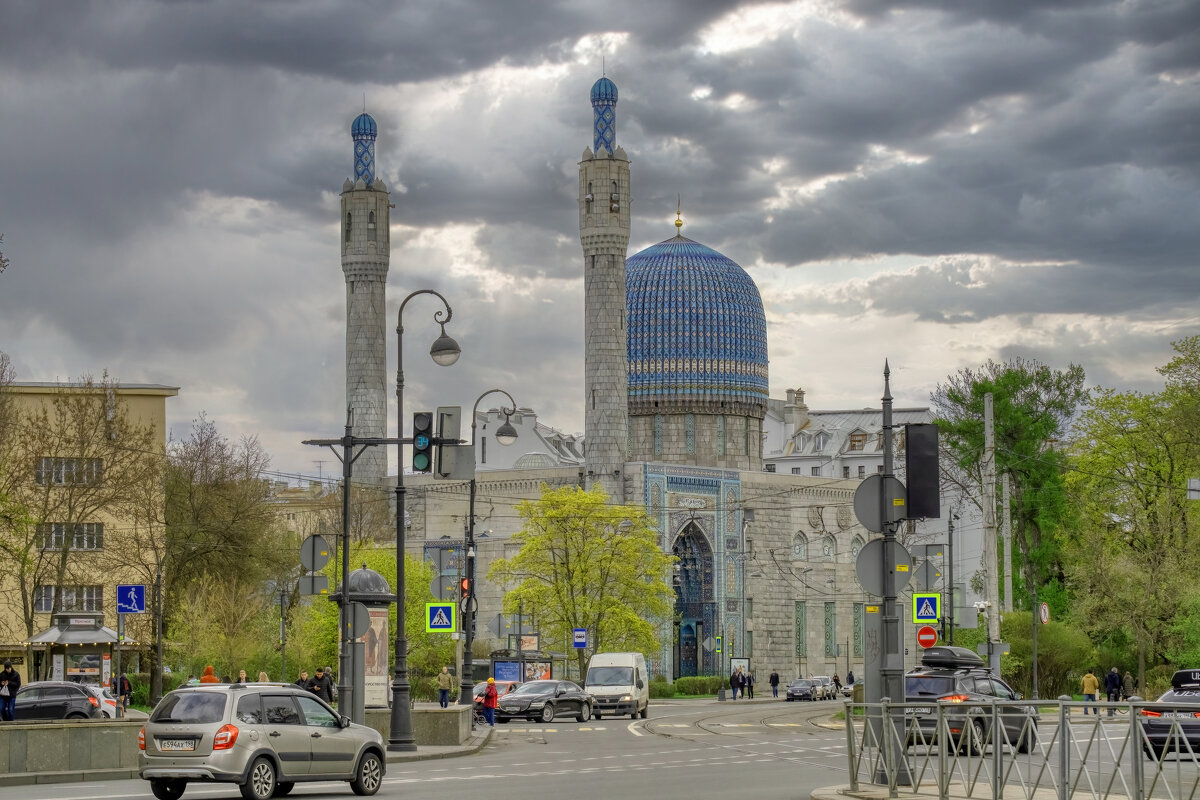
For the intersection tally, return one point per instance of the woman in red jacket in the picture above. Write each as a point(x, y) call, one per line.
point(490, 701)
point(208, 676)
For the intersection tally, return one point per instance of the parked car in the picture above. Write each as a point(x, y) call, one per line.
point(1174, 729)
point(544, 700)
point(957, 675)
point(502, 688)
point(56, 700)
point(801, 689)
point(264, 737)
point(108, 700)
point(847, 690)
point(824, 686)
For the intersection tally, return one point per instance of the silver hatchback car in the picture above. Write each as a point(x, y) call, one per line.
point(264, 737)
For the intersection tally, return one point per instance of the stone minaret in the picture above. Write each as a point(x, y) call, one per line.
point(365, 254)
point(604, 233)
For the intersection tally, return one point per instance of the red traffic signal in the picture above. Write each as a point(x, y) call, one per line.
point(465, 587)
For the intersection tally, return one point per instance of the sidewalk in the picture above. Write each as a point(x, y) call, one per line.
point(427, 752)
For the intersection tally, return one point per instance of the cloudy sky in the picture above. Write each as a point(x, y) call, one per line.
point(934, 182)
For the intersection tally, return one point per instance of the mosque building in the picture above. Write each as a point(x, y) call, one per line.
point(745, 490)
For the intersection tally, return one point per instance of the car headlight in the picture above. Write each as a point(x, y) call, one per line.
point(625, 698)
point(537, 704)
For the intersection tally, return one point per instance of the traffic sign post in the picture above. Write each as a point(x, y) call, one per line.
point(927, 636)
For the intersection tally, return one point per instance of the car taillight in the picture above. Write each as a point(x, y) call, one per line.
point(1148, 713)
point(956, 698)
point(226, 737)
point(142, 739)
point(93, 701)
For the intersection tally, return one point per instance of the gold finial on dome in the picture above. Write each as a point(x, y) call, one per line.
point(678, 221)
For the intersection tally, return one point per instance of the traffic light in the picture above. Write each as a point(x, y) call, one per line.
point(422, 442)
point(465, 588)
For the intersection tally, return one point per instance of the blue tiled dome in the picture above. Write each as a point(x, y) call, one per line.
point(604, 90)
point(363, 125)
point(697, 331)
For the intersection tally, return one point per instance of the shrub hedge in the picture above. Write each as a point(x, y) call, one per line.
point(699, 685)
point(661, 688)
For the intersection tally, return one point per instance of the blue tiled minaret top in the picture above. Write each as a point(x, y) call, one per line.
point(363, 130)
point(604, 116)
point(697, 331)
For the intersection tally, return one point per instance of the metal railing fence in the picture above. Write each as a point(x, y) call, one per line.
point(1026, 750)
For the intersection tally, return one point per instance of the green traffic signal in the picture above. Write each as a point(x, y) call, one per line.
point(422, 442)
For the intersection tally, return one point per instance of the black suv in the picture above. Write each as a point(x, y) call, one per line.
point(56, 700)
point(1174, 728)
point(955, 675)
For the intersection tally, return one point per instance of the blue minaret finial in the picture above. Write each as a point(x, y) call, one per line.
point(363, 130)
point(604, 116)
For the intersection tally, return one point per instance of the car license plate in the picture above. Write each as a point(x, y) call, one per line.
point(916, 711)
point(176, 745)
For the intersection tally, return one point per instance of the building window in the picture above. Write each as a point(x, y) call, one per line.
point(371, 226)
point(797, 470)
point(845, 472)
point(828, 549)
point(73, 598)
point(820, 441)
point(69, 471)
point(859, 620)
point(831, 629)
point(862, 471)
point(771, 468)
point(801, 628)
point(349, 225)
point(879, 469)
point(855, 548)
point(799, 547)
point(83, 535)
point(815, 472)
point(858, 441)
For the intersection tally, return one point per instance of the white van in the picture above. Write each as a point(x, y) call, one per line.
point(618, 684)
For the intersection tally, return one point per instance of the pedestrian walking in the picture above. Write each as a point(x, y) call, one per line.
point(1128, 685)
point(490, 701)
point(733, 683)
point(263, 678)
point(837, 685)
point(321, 685)
point(1090, 685)
point(850, 678)
point(208, 676)
point(774, 681)
point(302, 682)
point(750, 684)
point(445, 681)
point(10, 681)
point(1112, 686)
point(124, 692)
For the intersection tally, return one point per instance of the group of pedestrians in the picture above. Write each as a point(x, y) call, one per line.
point(741, 681)
point(1116, 688)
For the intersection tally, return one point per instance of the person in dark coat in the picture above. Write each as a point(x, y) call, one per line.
point(1112, 686)
point(124, 691)
point(302, 682)
point(1128, 686)
point(774, 681)
point(749, 679)
point(321, 685)
point(10, 681)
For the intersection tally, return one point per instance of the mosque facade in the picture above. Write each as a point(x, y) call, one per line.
point(677, 415)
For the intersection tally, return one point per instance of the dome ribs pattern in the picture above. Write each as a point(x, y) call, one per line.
point(697, 332)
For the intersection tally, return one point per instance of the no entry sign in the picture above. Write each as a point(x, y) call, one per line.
point(927, 636)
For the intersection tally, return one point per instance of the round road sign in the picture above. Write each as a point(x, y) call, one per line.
point(1044, 613)
point(926, 636)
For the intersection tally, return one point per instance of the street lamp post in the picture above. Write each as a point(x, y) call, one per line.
point(445, 351)
point(506, 434)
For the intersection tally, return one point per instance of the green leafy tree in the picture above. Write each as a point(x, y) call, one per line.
point(1133, 562)
point(586, 564)
point(1033, 406)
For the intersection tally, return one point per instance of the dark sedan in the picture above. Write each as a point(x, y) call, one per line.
point(56, 700)
point(1177, 729)
point(544, 700)
point(801, 689)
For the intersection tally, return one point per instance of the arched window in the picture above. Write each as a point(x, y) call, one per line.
point(349, 224)
point(800, 547)
point(371, 226)
point(856, 547)
point(828, 549)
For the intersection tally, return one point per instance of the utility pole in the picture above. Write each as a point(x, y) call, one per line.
point(990, 559)
point(1006, 527)
point(948, 625)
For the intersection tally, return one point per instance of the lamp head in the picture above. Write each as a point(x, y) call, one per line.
point(506, 434)
point(445, 350)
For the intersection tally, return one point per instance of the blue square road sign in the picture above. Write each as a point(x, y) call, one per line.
point(131, 598)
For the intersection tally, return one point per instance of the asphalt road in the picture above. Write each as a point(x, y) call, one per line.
point(686, 749)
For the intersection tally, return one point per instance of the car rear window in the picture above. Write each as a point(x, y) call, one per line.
point(190, 707)
point(928, 685)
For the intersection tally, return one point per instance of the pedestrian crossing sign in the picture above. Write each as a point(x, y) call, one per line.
point(439, 617)
point(926, 607)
